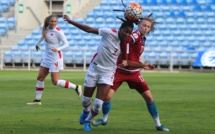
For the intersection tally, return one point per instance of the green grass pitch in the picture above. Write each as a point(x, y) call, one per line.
point(186, 104)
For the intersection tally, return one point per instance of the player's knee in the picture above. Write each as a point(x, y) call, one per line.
point(54, 82)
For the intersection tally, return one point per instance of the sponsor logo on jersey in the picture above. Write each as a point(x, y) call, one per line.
point(135, 35)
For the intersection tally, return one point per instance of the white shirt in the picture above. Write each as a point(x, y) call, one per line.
point(108, 50)
point(53, 38)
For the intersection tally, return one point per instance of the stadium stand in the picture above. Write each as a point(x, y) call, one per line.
point(184, 26)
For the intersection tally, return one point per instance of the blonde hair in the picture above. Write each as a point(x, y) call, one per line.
point(151, 20)
point(46, 24)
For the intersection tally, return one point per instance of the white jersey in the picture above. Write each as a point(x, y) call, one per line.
point(53, 38)
point(108, 50)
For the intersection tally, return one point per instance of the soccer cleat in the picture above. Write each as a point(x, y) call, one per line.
point(162, 128)
point(78, 90)
point(87, 126)
point(98, 122)
point(35, 102)
point(83, 116)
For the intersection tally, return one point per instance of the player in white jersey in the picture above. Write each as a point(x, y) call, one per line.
point(53, 60)
point(102, 68)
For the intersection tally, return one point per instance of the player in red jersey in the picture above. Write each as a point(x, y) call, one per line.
point(132, 75)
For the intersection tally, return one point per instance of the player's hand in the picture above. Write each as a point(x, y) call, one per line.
point(149, 66)
point(66, 17)
point(54, 49)
point(121, 65)
point(125, 63)
point(37, 47)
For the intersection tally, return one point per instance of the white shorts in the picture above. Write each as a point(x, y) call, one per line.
point(53, 67)
point(96, 76)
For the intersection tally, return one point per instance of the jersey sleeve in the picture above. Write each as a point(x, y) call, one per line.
point(39, 41)
point(104, 31)
point(62, 38)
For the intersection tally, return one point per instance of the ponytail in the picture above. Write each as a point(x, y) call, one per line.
point(46, 24)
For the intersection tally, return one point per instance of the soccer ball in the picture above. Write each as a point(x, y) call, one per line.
point(133, 11)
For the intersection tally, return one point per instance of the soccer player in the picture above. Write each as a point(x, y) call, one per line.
point(53, 60)
point(132, 75)
point(102, 68)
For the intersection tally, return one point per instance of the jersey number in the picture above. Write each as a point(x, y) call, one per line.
point(141, 78)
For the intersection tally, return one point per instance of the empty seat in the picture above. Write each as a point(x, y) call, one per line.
point(8, 57)
point(184, 59)
point(163, 58)
point(11, 22)
point(68, 57)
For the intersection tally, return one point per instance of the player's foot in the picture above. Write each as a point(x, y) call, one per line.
point(87, 126)
point(162, 128)
point(98, 122)
point(83, 116)
point(35, 102)
point(79, 90)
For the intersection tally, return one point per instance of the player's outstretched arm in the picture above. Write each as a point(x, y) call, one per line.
point(83, 27)
point(141, 65)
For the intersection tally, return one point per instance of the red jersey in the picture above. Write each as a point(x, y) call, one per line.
point(132, 49)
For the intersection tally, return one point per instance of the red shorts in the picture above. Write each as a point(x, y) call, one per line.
point(134, 80)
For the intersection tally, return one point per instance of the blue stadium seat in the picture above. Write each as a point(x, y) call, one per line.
point(90, 20)
point(110, 20)
point(22, 44)
point(197, 8)
point(180, 14)
point(210, 20)
point(17, 56)
point(184, 43)
point(36, 32)
point(152, 58)
point(3, 31)
point(151, 2)
point(187, 33)
point(25, 56)
point(181, 2)
point(163, 58)
point(11, 22)
point(172, 2)
point(8, 57)
point(190, 21)
point(78, 57)
point(184, 59)
point(175, 57)
point(30, 44)
point(104, 3)
point(170, 20)
point(37, 57)
point(161, 2)
point(98, 9)
point(206, 8)
point(91, 14)
point(211, 2)
point(180, 21)
point(191, 2)
point(68, 57)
